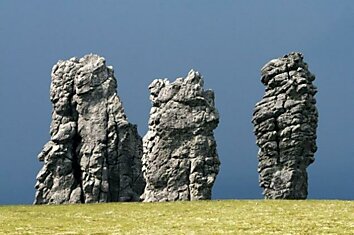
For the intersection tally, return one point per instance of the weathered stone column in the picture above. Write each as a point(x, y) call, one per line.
point(94, 154)
point(285, 123)
point(180, 161)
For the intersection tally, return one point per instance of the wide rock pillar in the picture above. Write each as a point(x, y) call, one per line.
point(180, 161)
point(94, 154)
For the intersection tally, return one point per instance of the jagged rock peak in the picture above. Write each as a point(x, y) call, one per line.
point(180, 160)
point(285, 123)
point(94, 154)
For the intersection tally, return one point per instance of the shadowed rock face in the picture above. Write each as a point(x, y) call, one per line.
point(94, 154)
point(180, 161)
point(285, 123)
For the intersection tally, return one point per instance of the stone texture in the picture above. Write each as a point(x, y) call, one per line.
point(94, 154)
point(180, 161)
point(285, 123)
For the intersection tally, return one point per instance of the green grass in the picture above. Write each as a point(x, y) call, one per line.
point(200, 217)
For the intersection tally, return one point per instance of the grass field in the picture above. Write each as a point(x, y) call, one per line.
point(200, 217)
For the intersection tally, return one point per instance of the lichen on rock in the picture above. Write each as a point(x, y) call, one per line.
point(180, 160)
point(285, 123)
point(94, 154)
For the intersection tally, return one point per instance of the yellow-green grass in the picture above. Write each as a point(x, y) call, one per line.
point(198, 217)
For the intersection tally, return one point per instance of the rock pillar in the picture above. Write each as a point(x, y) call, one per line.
point(285, 123)
point(180, 161)
point(94, 154)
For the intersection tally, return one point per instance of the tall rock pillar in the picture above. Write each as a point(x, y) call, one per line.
point(180, 161)
point(94, 154)
point(285, 123)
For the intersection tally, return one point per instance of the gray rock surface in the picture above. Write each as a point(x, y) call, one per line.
point(94, 154)
point(285, 123)
point(180, 161)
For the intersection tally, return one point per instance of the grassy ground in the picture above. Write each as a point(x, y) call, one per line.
point(201, 217)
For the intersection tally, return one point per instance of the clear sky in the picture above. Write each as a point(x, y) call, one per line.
point(226, 41)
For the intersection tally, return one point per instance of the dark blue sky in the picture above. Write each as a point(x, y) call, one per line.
point(227, 41)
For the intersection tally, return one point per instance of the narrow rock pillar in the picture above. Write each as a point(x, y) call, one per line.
point(285, 123)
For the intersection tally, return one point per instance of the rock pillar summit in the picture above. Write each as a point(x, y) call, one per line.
point(94, 154)
point(180, 161)
point(285, 123)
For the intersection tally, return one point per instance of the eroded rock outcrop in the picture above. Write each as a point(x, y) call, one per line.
point(94, 154)
point(180, 161)
point(285, 123)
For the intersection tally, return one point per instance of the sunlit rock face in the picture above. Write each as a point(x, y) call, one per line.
point(180, 160)
point(94, 154)
point(285, 123)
